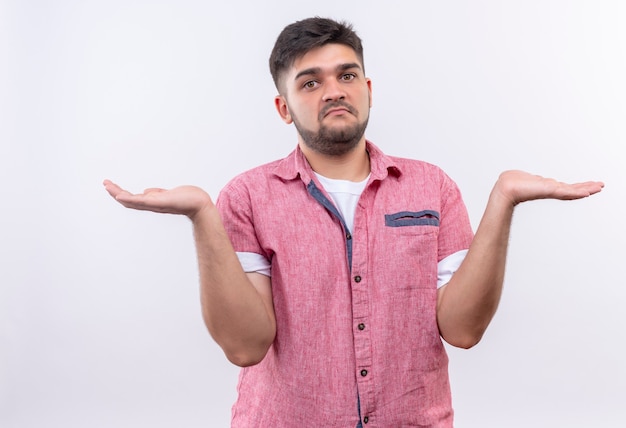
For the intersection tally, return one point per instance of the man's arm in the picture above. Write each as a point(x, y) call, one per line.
point(237, 307)
point(467, 303)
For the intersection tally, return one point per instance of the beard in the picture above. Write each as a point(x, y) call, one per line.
point(332, 141)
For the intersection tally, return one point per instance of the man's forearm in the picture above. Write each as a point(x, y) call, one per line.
point(237, 312)
point(469, 301)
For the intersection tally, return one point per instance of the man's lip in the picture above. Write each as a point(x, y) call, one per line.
point(336, 110)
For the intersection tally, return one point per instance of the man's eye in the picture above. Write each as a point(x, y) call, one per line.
point(310, 84)
point(348, 76)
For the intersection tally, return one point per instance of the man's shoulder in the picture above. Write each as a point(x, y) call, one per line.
point(402, 165)
point(259, 170)
point(411, 167)
point(261, 177)
point(413, 163)
point(266, 169)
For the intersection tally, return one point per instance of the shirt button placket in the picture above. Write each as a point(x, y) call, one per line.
point(362, 356)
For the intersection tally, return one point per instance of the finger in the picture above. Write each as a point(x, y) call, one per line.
point(121, 195)
point(144, 201)
point(113, 188)
point(137, 202)
point(579, 190)
point(591, 187)
point(598, 186)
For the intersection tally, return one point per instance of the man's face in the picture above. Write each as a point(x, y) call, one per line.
point(327, 97)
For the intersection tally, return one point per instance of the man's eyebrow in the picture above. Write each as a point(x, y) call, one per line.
point(308, 72)
point(317, 70)
point(348, 66)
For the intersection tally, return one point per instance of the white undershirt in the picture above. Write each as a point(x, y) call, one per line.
point(345, 194)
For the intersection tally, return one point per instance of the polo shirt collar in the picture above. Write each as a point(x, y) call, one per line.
point(296, 165)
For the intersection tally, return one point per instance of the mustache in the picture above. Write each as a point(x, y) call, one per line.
point(337, 104)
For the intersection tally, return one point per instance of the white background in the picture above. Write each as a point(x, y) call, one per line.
point(100, 321)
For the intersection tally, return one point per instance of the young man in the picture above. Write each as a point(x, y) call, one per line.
point(331, 275)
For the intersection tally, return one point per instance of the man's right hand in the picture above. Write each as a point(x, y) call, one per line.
point(185, 200)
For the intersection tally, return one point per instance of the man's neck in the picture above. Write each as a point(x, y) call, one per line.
point(352, 166)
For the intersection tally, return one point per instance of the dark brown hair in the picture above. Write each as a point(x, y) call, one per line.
point(300, 37)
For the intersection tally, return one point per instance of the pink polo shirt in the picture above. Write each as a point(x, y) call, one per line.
point(355, 312)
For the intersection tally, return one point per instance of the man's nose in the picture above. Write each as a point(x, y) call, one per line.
point(333, 91)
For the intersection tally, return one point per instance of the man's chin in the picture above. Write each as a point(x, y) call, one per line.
point(334, 137)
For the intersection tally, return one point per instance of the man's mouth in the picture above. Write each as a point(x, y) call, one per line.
point(337, 109)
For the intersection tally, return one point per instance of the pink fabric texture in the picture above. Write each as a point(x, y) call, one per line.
point(365, 333)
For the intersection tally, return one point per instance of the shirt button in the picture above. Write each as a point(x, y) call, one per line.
point(348, 236)
point(366, 420)
point(357, 278)
point(363, 372)
point(361, 326)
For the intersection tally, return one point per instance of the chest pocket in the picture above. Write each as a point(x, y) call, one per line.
point(412, 218)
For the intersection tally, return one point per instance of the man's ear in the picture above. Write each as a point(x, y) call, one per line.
point(283, 110)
